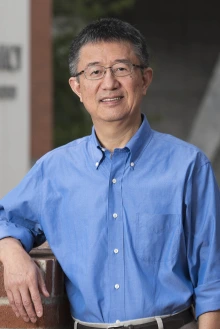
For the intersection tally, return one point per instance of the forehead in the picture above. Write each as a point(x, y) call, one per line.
point(106, 53)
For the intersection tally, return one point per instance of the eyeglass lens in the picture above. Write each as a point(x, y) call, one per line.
point(98, 71)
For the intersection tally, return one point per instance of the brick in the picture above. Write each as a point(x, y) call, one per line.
point(56, 314)
point(65, 315)
point(49, 275)
point(2, 289)
point(56, 307)
point(58, 280)
point(41, 78)
point(49, 319)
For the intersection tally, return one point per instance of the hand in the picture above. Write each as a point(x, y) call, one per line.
point(23, 281)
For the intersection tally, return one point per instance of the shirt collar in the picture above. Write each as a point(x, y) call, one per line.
point(140, 140)
point(135, 145)
point(96, 149)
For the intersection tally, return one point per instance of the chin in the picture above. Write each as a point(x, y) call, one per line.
point(113, 118)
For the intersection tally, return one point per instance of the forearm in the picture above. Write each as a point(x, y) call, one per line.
point(210, 320)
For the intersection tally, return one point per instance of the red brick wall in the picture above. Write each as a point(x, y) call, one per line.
point(41, 77)
point(56, 307)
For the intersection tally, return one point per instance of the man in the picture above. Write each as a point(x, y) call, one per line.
point(132, 215)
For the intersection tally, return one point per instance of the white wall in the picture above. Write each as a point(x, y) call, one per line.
point(14, 109)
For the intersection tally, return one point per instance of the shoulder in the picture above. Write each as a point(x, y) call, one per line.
point(76, 147)
point(181, 150)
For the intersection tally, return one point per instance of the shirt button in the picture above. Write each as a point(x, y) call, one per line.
point(114, 180)
point(115, 251)
point(132, 164)
point(96, 164)
point(117, 286)
point(115, 215)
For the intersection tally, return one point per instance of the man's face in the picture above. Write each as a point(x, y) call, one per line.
point(111, 98)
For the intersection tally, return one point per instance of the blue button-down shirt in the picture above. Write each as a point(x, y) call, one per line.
point(137, 233)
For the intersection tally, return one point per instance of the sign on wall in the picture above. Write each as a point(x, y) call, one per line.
point(14, 92)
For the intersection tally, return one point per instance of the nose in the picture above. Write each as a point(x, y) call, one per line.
point(109, 81)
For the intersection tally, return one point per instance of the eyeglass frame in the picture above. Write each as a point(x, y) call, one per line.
point(110, 67)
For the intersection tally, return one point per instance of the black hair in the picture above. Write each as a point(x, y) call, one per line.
point(109, 30)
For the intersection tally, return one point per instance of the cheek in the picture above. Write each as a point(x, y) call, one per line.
point(88, 98)
point(89, 93)
point(85, 95)
point(135, 92)
point(135, 85)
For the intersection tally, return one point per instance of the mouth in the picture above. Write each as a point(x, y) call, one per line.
point(111, 99)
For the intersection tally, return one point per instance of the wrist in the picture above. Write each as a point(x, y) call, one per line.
point(8, 244)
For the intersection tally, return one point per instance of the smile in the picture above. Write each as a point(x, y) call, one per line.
point(111, 99)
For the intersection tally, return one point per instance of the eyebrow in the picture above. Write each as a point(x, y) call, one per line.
point(93, 63)
point(120, 60)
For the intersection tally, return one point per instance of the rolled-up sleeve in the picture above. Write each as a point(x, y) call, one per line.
point(203, 239)
point(20, 211)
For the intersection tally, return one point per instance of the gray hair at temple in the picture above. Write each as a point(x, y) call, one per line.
point(109, 30)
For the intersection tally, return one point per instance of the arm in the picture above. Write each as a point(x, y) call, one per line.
point(202, 231)
point(23, 280)
point(210, 320)
point(20, 230)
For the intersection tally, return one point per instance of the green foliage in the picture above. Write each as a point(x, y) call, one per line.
point(90, 9)
point(70, 16)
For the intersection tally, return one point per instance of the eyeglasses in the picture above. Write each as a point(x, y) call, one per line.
point(95, 72)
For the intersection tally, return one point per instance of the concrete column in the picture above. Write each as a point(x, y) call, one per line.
point(205, 131)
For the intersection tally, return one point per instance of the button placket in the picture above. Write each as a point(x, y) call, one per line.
point(115, 229)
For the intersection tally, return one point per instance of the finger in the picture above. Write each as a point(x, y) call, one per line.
point(12, 303)
point(27, 304)
point(36, 300)
point(19, 305)
point(42, 285)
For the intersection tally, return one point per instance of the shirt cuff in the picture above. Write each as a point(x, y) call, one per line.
point(207, 298)
point(20, 233)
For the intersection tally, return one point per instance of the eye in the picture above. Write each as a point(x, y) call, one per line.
point(94, 71)
point(121, 68)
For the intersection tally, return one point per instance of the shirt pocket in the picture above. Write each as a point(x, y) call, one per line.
point(157, 237)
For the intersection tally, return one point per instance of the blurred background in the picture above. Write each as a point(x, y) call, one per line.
point(38, 111)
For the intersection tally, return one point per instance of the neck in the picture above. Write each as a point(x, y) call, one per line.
point(116, 134)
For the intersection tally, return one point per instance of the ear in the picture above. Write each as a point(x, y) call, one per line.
point(75, 86)
point(147, 77)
